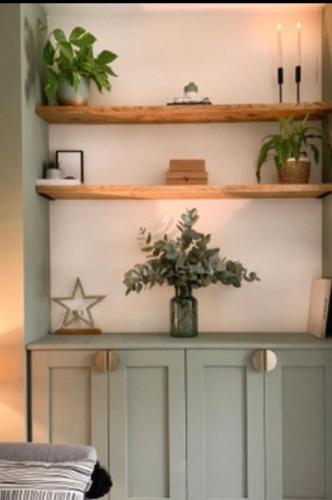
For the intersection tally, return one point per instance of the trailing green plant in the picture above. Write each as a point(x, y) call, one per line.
point(184, 261)
point(72, 58)
point(291, 141)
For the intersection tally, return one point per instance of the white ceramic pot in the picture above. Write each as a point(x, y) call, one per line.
point(68, 96)
point(53, 173)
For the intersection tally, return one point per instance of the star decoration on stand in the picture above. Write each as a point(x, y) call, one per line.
point(79, 309)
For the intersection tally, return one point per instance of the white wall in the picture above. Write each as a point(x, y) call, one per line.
point(232, 58)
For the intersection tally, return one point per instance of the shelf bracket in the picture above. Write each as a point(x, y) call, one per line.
point(321, 196)
point(49, 198)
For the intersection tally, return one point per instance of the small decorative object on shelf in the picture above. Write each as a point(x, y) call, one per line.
point(280, 70)
point(77, 307)
point(70, 65)
point(52, 170)
point(290, 149)
point(190, 96)
point(184, 262)
point(71, 162)
point(186, 172)
point(191, 91)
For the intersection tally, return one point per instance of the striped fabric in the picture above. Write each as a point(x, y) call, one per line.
point(45, 481)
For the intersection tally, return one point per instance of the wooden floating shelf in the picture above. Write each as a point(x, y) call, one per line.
point(166, 192)
point(216, 113)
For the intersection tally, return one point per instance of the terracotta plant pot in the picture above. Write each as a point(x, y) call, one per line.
point(294, 171)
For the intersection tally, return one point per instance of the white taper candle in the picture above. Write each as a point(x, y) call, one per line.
point(299, 48)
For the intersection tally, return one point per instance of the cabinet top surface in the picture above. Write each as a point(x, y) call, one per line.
point(164, 341)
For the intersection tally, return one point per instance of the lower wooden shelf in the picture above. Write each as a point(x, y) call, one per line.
point(165, 192)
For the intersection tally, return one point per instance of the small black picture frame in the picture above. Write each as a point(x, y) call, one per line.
point(71, 162)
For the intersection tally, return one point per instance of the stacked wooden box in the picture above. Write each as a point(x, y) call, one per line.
point(186, 172)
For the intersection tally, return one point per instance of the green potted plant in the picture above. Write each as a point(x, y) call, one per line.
point(71, 65)
point(52, 170)
point(291, 148)
point(185, 263)
point(191, 90)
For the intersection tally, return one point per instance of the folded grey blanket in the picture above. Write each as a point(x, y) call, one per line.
point(45, 481)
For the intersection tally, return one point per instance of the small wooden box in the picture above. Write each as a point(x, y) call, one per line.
point(186, 172)
point(186, 165)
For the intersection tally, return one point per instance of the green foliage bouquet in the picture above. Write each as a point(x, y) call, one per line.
point(185, 261)
point(73, 58)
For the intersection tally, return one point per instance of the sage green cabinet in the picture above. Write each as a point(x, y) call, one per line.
point(69, 402)
point(134, 414)
point(195, 423)
point(298, 413)
point(147, 433)
point(256, 434)
point(225, 426)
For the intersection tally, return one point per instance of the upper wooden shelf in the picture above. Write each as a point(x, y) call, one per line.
point(216, 113)
point(166, 192)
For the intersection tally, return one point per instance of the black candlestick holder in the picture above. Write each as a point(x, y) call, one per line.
point(298, 75)
point(280, 76)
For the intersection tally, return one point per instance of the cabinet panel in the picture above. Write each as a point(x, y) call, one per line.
point(225, 426)
point(147, 429)
point(298, 424)
point(147, 425)
point(62, 429)
point(69, 400)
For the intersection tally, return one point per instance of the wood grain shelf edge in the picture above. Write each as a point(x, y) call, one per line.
point(167, 192)
point(216, 113)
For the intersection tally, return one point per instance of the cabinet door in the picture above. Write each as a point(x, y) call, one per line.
point(147, 425)
point(69, 400)
point(225, 426)
point(298, 395)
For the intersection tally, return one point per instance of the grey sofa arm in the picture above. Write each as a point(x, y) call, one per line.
point(43, 452)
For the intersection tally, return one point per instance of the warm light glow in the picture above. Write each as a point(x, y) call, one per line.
point(279, 27)
point(299, 43)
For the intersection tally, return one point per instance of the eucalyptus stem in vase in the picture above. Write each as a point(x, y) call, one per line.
point(185, 262)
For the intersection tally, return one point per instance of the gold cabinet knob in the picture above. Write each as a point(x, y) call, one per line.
point(112, 361)
point(106, 361)
point(264, 360)
point(101, 361)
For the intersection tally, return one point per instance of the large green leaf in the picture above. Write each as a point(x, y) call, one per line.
point(51, 84)
point(48, 53)
point(66, 50)
point(106, 57)
point(81, 38)
point(77, 34)
point(59, 36)
point(101, 81)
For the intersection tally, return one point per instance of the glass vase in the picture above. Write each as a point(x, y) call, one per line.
point(183, 309)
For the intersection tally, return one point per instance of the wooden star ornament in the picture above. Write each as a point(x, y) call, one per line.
point(78, 309)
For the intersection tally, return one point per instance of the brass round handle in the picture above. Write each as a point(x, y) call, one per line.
point(101, 361)
point(106, 361)
point(112, 361)
point(264, 360)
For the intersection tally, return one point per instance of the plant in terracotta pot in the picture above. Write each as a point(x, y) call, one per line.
point(71, 65)
point(185, 262)
point(291, 148)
